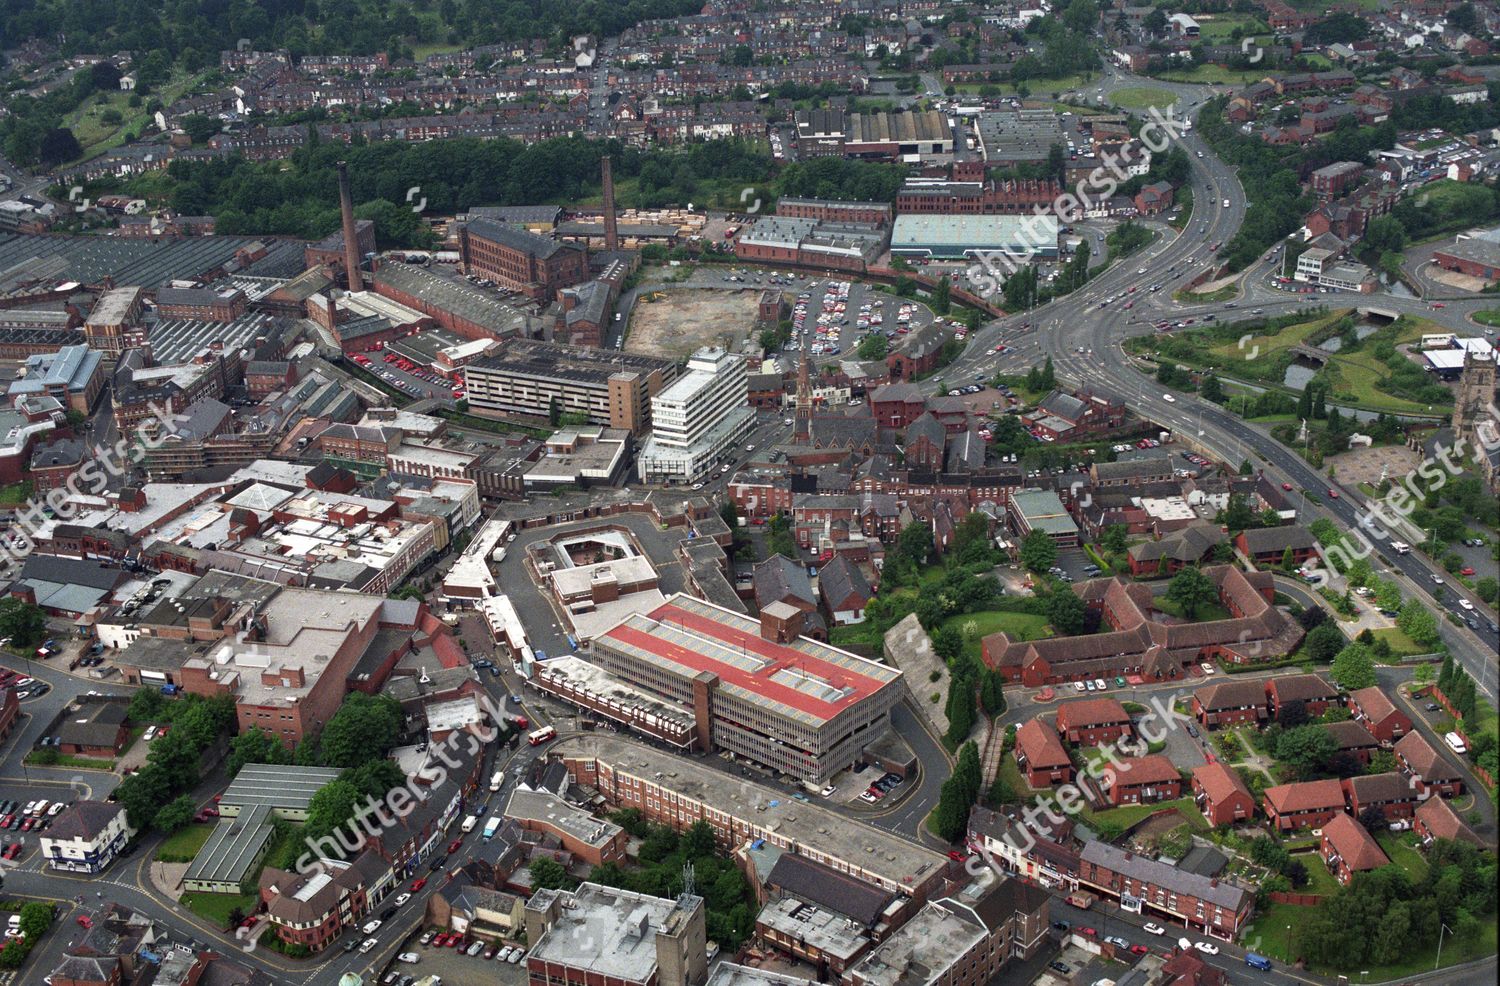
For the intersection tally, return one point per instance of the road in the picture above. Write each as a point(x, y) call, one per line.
point(1084, 339)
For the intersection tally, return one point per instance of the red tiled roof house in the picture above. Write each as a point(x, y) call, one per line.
point(1040, 755)
point(1379, 714)
point(1092, 721)
point(1348, 849)
point(1306, 804)
point(1431, 770)
point(1221, 795)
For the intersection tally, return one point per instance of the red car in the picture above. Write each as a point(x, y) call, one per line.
point(1438, 304)
point(455, 846)
point(1139, 950)
point(454, 941)
point(418, 884)
point(12, 851)
point(1333, 494)
point(1287, 487)
point(1088, 931)
point(85, 922)
point(957, 856)
point(1466, 571)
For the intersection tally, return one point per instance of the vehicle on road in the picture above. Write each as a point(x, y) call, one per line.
point(1152, 928)
point(1258, 962)
point(1169, 398)
point(544, 735)
point(1333, 494)
point(1207, 948)
point(367, 945)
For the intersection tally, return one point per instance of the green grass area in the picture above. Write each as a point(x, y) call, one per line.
point(1122, 818)
point(976, 626)
point(1401, 847)
point(181, 846)
point(1217, 28)
point(215, 908)
point(1490, 316)
point(1213, 75)
point(1227, 293)
point(95, 134)
point(1142, 97)
point(1204, 614)
point(1033, 86)
point(1400, 642)
point(1183, 210)
point(51, 758)
point(1319, 880)
point(15, 494)
point(1268, 934)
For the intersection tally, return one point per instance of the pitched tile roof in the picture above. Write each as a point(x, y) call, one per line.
point(1370, 788)
point(1090, 712)
point(1219, 782)
point(1373, 702)
point(1356, 847)
point(1040, 746)
point(1350, 735)
point(1302, 687)
point(1305, 796)
point(1439, 818)
point(1423, 759)
point(1235, 693)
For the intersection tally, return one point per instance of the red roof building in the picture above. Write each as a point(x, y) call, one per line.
point(1392, 793)
point(1092, 721)
point(1040, 755)
point(1232, 702)
point(1144, 780)
point(1221, 795)
point(1431, 771)
point(1348, 849)
point(1436, 819)
point(1313, 691)
point(1374, 709)
point(1306, 804)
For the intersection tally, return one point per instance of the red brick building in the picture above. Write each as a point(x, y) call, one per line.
point(1374, 710)
point(1348, 849)
point(1432, 772)
point(1144, 780)
point(1306, 804)
point(1154, 199)
point(1354, 739)
point(536, 266)
point(1011, 197)
point(1221, 795)
point(1391, 793)
point(1268, 546)
point(1313, 691)
point(1436, 819)
point(830, 210)
point(1041, 756)
point(1092, 721)
point(314, 909)
point(1232, 702)
point(897, 405)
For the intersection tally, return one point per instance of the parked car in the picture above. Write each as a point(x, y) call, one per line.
point(1151, 927)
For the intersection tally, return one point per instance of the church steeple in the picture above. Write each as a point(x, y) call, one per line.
point(803, 431)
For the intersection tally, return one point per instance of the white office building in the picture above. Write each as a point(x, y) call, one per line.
point(699, 420)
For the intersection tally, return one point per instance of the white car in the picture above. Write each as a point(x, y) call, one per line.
point(1099, 684)
point(410, 958)
point(1169, 398)
point(1207, 668)
point(1466, 604)
point(371, 927)
point(367, 945)
point(401, 899)
point(827, 792)
point(517, 955)
point(1153, 928)
point(1207, 948)
point(1078, 686)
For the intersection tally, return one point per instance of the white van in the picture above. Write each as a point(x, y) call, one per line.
point(1456, 743)
point(469, 823)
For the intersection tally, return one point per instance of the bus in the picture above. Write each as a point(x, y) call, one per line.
point(543, 735)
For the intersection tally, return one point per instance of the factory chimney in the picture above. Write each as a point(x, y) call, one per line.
point(611, 233)
point(351, 238)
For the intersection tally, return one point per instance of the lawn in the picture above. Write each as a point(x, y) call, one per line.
point(1268, 934)
point(1319, 880)
point(184, 844)
point(216, 908)
point(1400, 642)
point(1401, 847)
point(1217, 28)
point(1203, 614)
point(1034, 86)
point(95, 135)
point(976, 626)
point(15, 494)
point(1490, 316)
point(1214, 75)
point(1142, 97)
point(1122, 818)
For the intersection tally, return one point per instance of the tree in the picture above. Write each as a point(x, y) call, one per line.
point(952, 813)
point(330, 807)
point(915, 543)
point(36, 918)
point(1354, 668)
point(1066, 612)
point(142, 793)
point(1155, 22)
point(1306, 749)
point(23, 623)
point(548, 874)
point(1312, 617)
point(1488, 588)
point(698, 840)
point(1190, 589)
point(873, 346)
point(1038, 551)
point(200, 128)
point(365, 726)
point(968, 773)
point(992, 692)
point(175, 814)
point(1324, 642)
point(59, 145)
point(1211, 389)
point(960, 708)
point(254, 745)
point(1292, 714)
point(1113, 539)
point(146, 705)
point(1238, 515)
point(939, 299)
point(1418, 623)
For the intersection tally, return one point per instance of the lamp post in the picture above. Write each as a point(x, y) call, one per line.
point(1438, 961)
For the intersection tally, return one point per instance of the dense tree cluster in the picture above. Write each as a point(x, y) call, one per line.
point(173, 766)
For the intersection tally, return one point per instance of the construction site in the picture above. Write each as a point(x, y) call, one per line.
point(675, 323)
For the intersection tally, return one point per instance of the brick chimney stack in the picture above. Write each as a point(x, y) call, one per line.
point(351, 237)
point(611, 233)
